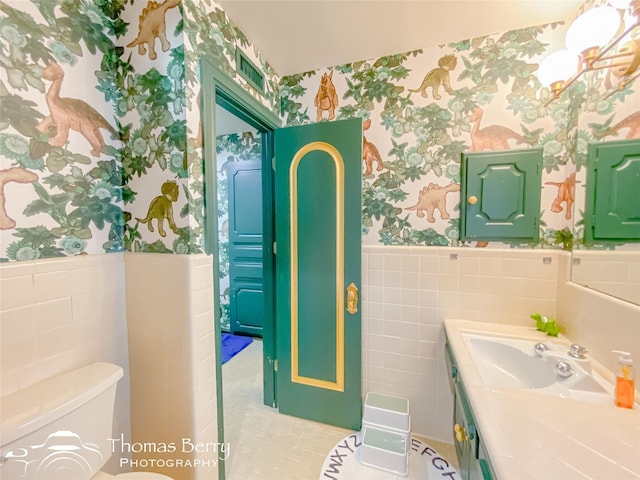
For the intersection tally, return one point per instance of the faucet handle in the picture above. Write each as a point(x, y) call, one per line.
point(577, 351)
point(540, 349)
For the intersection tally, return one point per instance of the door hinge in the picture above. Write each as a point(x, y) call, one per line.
point(275, 248)
point(273, 163)
point(275, 365)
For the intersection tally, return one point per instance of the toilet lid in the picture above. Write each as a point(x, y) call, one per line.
point(141, 476)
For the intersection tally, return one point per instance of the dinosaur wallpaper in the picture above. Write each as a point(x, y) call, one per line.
point(100, 138)
point(422, 109)
point(62, 191)
point(100, 144)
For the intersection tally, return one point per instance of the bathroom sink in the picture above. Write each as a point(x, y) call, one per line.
point(511, 363)
point(506, 363)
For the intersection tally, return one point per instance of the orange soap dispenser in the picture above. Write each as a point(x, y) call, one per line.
point(625, 388)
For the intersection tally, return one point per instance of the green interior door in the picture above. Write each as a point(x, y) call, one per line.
point(246, 283)
point(318, 234)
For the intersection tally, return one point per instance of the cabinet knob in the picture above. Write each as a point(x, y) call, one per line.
point(460, 433)
point(472, 200)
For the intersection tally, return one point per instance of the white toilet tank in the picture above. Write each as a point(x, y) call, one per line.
point(59, 428)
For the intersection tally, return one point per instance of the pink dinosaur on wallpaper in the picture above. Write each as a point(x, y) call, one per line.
point(434, 197)
point(370, 153)
point(13, 174)
point(632, 122)
point(326, 99)
point(151, 25)
point(566, 195)
point(70, 114)
point(493, 137)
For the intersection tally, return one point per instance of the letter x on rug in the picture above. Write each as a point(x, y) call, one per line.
point(232, 345)
point(424, 463)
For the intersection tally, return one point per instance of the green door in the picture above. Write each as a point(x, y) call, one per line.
point(500, 195)
point(318, 237)
point(246, 283)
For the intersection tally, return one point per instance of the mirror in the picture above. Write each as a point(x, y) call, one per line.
point(609, 114)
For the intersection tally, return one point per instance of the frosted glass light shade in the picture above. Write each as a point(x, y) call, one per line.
point(559, 66)
point(621, 4)
point(594, 28)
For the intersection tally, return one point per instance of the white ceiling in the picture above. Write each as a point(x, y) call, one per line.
point(296, 36)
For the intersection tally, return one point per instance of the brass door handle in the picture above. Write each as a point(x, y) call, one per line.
point(472, 200)
point(352, 298)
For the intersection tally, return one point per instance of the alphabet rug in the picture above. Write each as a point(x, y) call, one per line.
point(342, 463)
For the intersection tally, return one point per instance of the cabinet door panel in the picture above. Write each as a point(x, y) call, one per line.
point(612, 210)
point(501, 195)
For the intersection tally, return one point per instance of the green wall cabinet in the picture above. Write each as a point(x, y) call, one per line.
point(500, 195)
point(612, 208)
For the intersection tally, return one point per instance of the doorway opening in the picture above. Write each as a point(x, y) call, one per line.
point(240, 237)
point(226, 107)
point(318, 181)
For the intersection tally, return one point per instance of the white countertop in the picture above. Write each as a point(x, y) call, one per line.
point(531, 435)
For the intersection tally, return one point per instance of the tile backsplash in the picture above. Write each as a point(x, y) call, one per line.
point(616, 272)
point(409, 291)
point(170, 301)
point(61, 314)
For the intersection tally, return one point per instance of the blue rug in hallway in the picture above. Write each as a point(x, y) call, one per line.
point(232, 345)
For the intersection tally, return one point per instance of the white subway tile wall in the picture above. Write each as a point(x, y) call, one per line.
point(597, 321)
point(409, 291)
point(203, 357)
point(61, 314)
point(616, 272)
point(171, 339)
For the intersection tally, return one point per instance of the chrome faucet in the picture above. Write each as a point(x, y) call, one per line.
point(563, 369)
point(540, 349)
point(577, 351)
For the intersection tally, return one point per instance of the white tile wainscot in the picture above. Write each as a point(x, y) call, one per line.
point(59, 314)
point(407, 294)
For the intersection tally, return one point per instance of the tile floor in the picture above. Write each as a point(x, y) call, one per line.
point(266, 445)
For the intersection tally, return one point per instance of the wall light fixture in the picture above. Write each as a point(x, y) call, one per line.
point(589, 40)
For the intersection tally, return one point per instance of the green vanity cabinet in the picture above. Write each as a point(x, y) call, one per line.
point(612, 207)
point(500, 195)
point(472, 457)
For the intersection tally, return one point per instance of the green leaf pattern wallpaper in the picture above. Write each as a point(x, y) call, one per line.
point(62, 190)
point(422, 109)
point(100, 137)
